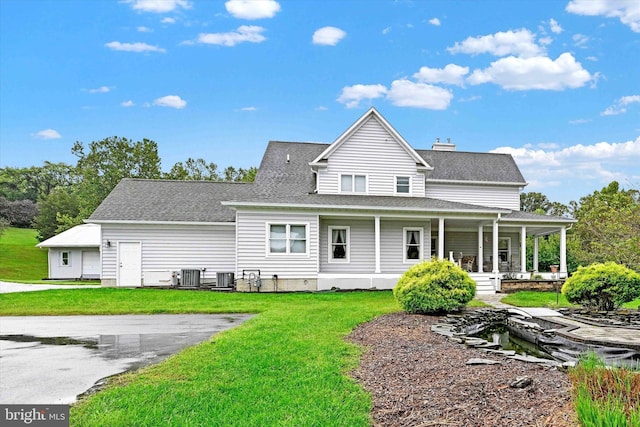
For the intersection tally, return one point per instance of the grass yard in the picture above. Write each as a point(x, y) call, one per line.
point(548, 299)
point(21, 261)
point(284, 367)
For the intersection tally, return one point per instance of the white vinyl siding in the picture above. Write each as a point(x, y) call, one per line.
point(481, 195)
point(253, 237)
point(373, 152)
point(173, 247)
point(74, 268)
point(361, 246)
point(392, 237)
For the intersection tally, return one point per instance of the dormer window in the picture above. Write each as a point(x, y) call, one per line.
point(403, 185)
point(353, 183)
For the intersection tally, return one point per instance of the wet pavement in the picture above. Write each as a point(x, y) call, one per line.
point(52, 359)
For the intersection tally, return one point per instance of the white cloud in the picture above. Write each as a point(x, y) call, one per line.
point(244, 33)
point(451, 74)
point(386, 31)
point(171, 101)
point(328, 36)
point(405, 93)
point(577, 165)
point(158, 6)
point(555, 27)
point(580, 40)
point(128, 103)
point(434, 21)
point(101, 89)
point(352, 95)
point(579, 121)
point(520, 43)
point(47, 134)
point(134, 47)
point(143, 29)
point(248, 109)
point(252, 9)
point(620, 106)
point(540, 72)
point(628, 11)
point(168, 20)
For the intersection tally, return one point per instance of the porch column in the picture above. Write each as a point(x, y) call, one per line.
point(480, 257)
point(536, 241)
point(495, 246)
point(523, 249)
point(377, 243)
point(563, 252)
point(441, 238)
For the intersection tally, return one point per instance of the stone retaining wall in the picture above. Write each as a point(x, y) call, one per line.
point(511, 286)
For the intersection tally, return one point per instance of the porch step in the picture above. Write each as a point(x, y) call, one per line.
point(484, 283)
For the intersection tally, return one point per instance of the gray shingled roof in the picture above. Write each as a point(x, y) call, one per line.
point(163, 200)
point(346, 201)
point(284, 176)
point(521, 216)
point(465, 166)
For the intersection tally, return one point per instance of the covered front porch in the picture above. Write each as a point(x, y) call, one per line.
point(372, 251)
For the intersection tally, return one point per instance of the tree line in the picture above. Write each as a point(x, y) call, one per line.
point(57, 196)
point(607, 228)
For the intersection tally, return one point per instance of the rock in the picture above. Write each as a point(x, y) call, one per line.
point(501, 352)
point(473, 342)
point(521, 382)
point(477, 361)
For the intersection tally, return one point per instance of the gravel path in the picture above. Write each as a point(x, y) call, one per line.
point(419, 378)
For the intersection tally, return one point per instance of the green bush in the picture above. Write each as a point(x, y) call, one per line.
point(433, 287)
point(602, 286)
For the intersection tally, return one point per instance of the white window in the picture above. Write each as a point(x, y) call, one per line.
point(353, 183)
point(403, 185)
point(287, 239)
point(339, 244)
point(65, 259)
point(412, 245)
point(504, 251)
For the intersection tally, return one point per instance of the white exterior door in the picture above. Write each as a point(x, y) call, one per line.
point(129, 264)
point(91, 264)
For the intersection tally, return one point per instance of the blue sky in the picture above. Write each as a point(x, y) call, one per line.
point(554, 83)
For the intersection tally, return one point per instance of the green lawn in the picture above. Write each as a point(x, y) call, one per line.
point(284, 367)
point(20, 260)
point(548, 299)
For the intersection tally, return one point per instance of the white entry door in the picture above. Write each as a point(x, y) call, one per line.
point(129, 264)
point(91, 264)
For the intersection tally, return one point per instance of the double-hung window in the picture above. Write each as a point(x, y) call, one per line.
point(403, 184)
point(412, 244)
point(353, 183)
point(287, 238)
point(339, 244)
point(65, 260)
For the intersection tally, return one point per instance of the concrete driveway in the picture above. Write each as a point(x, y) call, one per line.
point(52, 359)
point(7, 287)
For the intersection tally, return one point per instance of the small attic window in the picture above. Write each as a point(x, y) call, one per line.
point(353, 183)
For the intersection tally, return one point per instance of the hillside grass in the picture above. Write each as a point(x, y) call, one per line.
point(20, 260)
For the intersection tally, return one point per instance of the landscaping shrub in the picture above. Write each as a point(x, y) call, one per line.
point(602, 286)
point(433, 287)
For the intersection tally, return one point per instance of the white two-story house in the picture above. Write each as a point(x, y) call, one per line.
point(353, 214)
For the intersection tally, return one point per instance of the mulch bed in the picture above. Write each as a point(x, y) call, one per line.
point(419, 378)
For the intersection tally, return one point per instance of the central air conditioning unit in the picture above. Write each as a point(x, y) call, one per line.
point(225, 280)
point(190, 278)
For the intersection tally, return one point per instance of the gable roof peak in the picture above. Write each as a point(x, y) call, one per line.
point(371, 113)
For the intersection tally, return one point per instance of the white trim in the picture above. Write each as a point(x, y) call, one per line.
point(287, 252)
point(119, 254)
point(460, 181)
point(395, 187)
point(406, 260)
point(110, 221)
point(330, 258)
point(61, 259)
point(508, 250)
